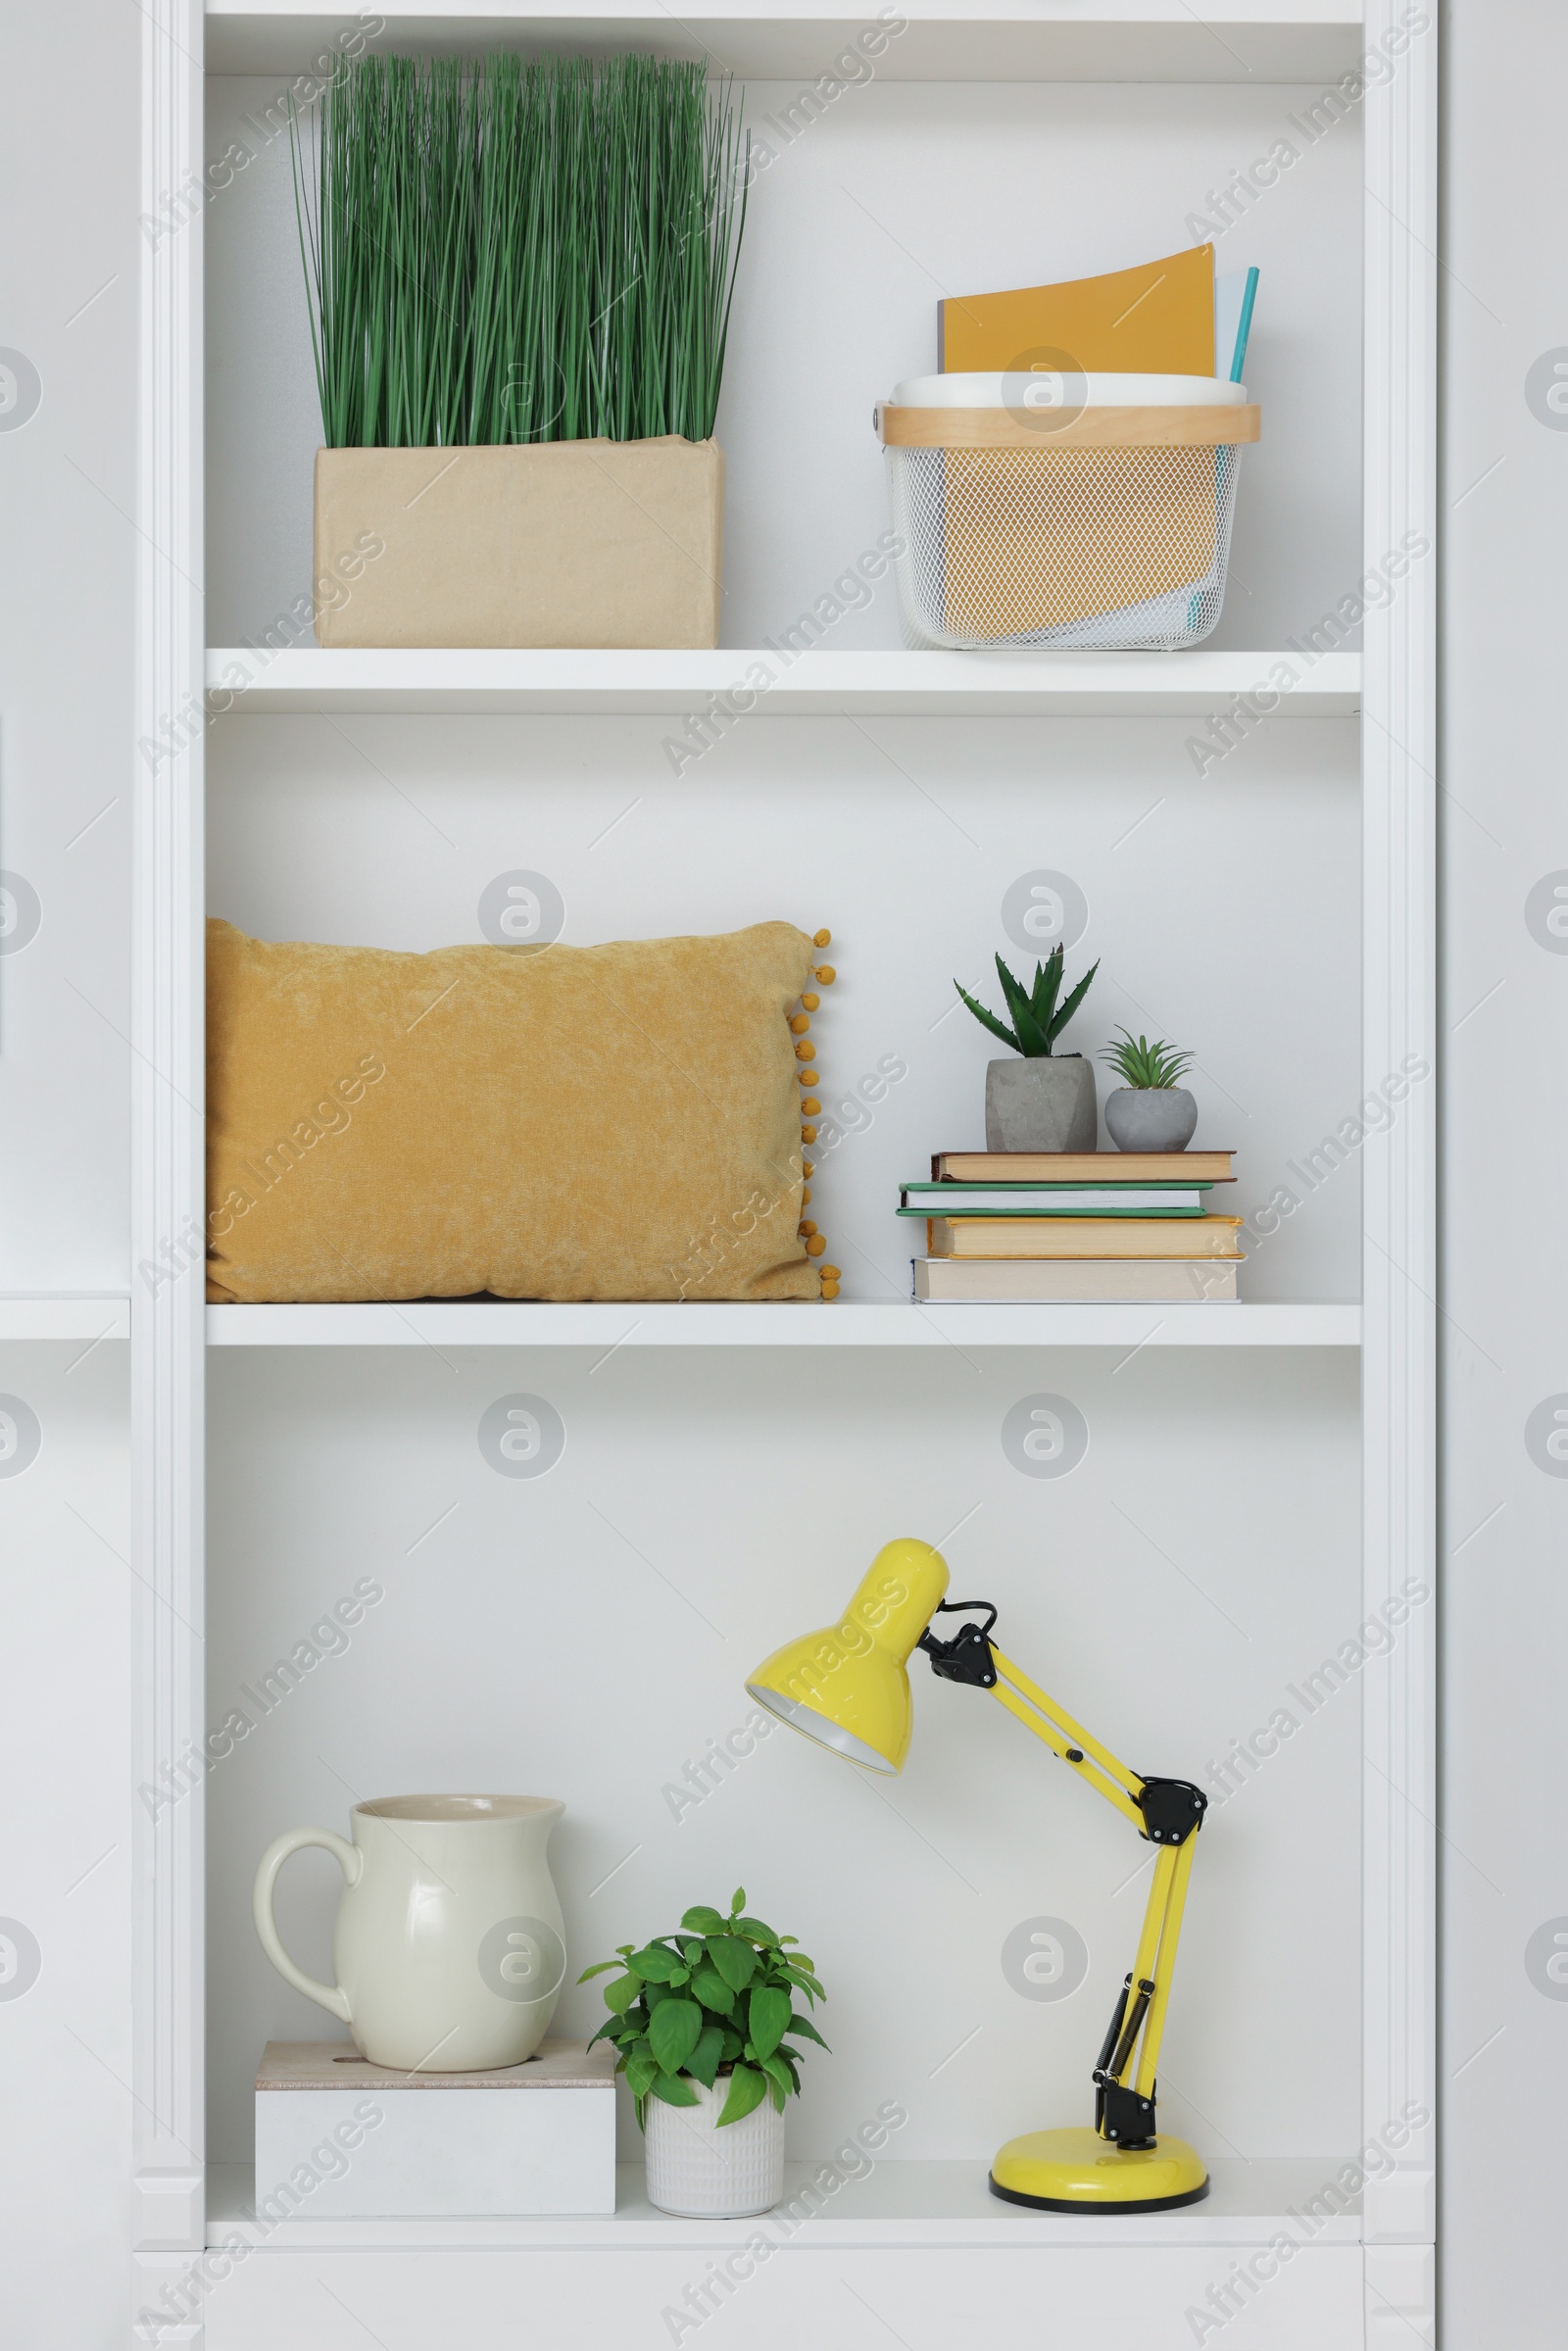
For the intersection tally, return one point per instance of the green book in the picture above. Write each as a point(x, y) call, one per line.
point(1053, 1200)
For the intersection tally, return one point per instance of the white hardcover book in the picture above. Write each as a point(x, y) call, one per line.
point(1073, 1281)
point(338, 2139)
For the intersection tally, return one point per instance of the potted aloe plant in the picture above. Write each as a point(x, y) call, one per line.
point(1149, 1110)
point(705, 2020)
point(1045, 1100)
point(519, 276)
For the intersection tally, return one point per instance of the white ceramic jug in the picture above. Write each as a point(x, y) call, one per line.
point(448, 1946)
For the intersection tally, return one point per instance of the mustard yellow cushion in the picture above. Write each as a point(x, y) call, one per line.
point(556, 1123)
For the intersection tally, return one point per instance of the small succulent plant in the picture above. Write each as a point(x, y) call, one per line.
point(1147, 1063)
point(1038, 1020)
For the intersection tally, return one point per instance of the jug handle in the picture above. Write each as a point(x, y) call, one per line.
point(330, 1997)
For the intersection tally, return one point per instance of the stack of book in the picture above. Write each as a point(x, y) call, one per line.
point(1072, 1225)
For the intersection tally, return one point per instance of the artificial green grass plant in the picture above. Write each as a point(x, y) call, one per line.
point(510, 250)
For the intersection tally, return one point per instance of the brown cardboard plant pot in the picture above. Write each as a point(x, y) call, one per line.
point(554, 543)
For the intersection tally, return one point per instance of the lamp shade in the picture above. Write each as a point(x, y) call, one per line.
point(847, 1685)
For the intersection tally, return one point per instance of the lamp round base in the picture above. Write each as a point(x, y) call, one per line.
point(1076, 2171)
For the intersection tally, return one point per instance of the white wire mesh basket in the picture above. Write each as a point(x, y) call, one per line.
point(1095, 526)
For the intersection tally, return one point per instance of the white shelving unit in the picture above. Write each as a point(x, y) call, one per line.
point(57, 1319)
point(851, 1323)
point(713, 1497)
point(899, 2206)
point(930, 685)
point(1082, 40)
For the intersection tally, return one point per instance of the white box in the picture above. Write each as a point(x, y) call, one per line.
point(337, 2138)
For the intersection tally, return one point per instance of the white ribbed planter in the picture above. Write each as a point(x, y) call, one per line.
point(705, 2173)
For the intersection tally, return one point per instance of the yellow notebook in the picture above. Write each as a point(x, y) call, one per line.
point(1158, 320)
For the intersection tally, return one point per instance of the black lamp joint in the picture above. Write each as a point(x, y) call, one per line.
point(1173, 1810)
point(1123, 2117)
point(966, 1657)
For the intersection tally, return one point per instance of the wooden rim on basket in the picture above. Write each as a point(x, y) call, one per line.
point(1089, 428)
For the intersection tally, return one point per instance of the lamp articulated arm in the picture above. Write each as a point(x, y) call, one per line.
point(1167, 1812)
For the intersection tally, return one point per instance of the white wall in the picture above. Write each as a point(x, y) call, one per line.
point(65, 1876)
point(68, 223)
point(67, 501)
point(1505, 1266)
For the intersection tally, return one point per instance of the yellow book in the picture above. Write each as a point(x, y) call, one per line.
point(1083, 1237)
point(1158, 320)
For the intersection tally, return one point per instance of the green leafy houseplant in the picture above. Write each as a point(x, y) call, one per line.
point(1038, 1020)
point(716, 1998)
point(510, 250)
point(1147, 1064)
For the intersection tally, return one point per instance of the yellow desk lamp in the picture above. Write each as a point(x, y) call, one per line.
point(848, 1688)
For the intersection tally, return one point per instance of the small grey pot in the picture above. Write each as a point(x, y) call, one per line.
point(1150, 1118)
point(1045, 1105)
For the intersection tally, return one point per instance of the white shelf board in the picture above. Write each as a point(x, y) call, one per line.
point(60, 1316)
point(1065, 685)
point(926, 2205)
point(997, 40)
point(495, 1322)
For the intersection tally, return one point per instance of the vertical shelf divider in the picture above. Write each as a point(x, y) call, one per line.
point(1400, 1257)
point(168, 2121)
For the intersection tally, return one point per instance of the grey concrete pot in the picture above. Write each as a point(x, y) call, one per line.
point(1150, 1118)
point(1041, 1105)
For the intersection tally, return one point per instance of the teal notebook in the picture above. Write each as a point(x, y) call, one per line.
point(1053, 1200)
